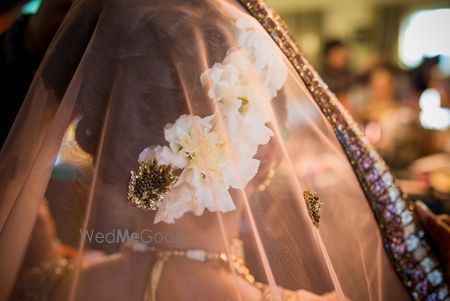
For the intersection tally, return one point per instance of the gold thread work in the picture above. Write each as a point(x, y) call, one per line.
point(148, 185)
point(313, 204)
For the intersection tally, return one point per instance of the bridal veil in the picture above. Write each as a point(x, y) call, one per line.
point(185, 150)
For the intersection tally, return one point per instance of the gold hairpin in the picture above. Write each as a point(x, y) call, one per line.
point(313, 205)
point(148, 185)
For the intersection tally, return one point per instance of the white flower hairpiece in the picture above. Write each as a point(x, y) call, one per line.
point(199, 148)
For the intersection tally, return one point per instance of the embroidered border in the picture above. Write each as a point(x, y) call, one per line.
point(404, 239)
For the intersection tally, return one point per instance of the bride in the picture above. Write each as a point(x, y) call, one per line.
point(185, 150)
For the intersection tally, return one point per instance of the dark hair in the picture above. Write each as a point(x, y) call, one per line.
point(332, 44)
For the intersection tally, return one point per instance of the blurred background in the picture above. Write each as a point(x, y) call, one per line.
point(388, 61)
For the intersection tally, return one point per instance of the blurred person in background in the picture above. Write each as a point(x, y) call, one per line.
point(336, 71)
point(22, 47)
point(390, 124)
point(422, 74)
point(432, 87)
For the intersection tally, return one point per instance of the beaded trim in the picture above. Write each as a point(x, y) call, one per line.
point(404, 239)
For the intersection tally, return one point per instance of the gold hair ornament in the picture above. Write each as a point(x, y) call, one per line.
point(313, 204)
point(148, 185)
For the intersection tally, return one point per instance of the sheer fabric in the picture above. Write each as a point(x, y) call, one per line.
point(118, 75)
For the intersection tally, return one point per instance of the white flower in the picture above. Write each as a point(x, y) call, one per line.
point(204, 181)
point(229, 79)
point(211, 190)
point(163, 155)
point(183, 136)
point(267, 58)
point(147, 154)
point(175, 204)
point(235, 84)
point(216, 152)
point(243, 169)
point(248, 128)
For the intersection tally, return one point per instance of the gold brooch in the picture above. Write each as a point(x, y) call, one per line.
point(313, 204)
point(148, 185)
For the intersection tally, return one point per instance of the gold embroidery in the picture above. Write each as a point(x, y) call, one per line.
point(148, 185)
point(313, 205)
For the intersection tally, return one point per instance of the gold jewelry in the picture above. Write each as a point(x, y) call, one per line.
point(236, 262)
point(148, 185)
point(313, 205)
